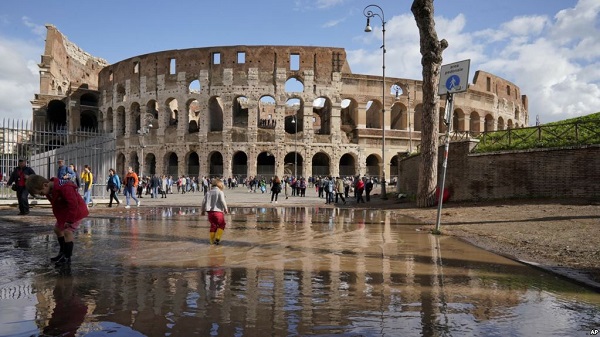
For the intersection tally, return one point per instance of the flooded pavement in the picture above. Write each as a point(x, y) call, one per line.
point(282, 271)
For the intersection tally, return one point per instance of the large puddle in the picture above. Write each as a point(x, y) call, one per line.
point(279, 272)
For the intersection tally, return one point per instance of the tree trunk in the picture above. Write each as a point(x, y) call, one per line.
point(431, 60)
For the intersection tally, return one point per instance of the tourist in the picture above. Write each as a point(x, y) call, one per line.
point(214, 203)
point(68, 207)
point(18, 176)
point(275, 188)
point(131, 182)
point(113, 185)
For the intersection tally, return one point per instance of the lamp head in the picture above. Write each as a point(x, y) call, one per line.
point(368, 28)
point(150, 125)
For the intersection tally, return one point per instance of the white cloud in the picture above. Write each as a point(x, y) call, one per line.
point(554, 61)
point(19, 79)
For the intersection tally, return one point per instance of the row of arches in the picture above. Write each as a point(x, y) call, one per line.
point(216, 164)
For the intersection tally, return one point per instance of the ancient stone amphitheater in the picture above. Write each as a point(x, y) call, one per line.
point(252, 110)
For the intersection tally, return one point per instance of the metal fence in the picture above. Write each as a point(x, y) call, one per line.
point(42, 147)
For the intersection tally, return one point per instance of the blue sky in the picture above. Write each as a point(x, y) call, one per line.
point(549, 48)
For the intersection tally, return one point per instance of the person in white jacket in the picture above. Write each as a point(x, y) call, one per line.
point(214, 203)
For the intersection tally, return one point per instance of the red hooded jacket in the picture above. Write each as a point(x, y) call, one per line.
point(67, 203)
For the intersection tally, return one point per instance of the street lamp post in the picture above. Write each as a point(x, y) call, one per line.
point(295, 147)
point(143, 131)
point(368, 12)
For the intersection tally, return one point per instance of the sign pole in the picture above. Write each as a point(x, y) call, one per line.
point(454, 78)
point(448, 122)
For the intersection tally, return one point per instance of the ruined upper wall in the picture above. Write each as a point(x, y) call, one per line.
point(244, 64)
point(503, 89)
point(65, 66)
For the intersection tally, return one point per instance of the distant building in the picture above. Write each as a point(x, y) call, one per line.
point(246, 110)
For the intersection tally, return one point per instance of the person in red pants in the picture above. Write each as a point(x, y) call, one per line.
point(214, 203)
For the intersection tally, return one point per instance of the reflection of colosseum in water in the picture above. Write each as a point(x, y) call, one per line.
point(252, 110)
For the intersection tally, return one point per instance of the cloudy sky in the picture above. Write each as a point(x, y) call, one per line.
point(549, 48)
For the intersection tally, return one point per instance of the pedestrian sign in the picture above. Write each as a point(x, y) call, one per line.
point(454, 77)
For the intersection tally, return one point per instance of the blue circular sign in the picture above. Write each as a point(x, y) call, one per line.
point(452, 81)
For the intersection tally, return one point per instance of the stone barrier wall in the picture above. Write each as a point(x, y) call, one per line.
point(572, 172)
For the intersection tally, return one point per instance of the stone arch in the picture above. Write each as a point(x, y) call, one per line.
point(171, 161)
point(134, 114)
point(265, 164)
point(266, 112)
point(149, 164)
point(322, 109)
point(509, 124)
point(373, 165)
point(172, 111)
point(398, 117)
point(474, 123)
point(289, 160)
point(194, 87)
point(349, 114)
point(88, 121)
point(152, 108)
point(215, 114)
point(193, 109)
point(321, 163)
point(120, 168)
point(239, 165)
point(56, 114)
point(193, 164)
point(108, 120)
point(489, 123)
point(347, 165)
point(121, 117)
point(121, 93)
point(501, 123)
point(294, 84)
point(294, 118)
point(374, 114)
point(458, 120)
point(239, 113)
point(215, 164)
point(134, 161)
point(88, 99)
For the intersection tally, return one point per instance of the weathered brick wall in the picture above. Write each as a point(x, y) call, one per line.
point(545, 173)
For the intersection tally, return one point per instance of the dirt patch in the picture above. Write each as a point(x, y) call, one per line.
point(559, 235)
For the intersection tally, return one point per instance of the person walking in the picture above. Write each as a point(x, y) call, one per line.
point(360, 187)
point(68, 207)
point(18, 177)
point(131, 182)
point(113, 185)
point(339, 190)
point(64, 172)
point(368, 189)
point(88, 179)
point(275, 188)
point(214, 203)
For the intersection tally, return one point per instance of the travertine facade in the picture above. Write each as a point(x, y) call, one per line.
point(255, 110)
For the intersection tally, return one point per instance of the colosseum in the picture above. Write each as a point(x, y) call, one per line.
point(252, 110)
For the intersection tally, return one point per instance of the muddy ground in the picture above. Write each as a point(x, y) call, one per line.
point(559, 235)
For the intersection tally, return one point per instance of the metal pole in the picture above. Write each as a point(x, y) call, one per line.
point(448, 122)
point(295, 148)
point(369, 14)
point(409, 120)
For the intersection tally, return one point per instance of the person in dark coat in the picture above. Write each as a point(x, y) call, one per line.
point(18, 177)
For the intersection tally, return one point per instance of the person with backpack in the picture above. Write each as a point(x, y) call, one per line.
point(88, 179)
point(113, 185)
point(18, 177)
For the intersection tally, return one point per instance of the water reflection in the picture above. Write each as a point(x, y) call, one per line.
point(286, 272)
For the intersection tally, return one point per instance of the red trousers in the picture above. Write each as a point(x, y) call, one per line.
point(217, 220)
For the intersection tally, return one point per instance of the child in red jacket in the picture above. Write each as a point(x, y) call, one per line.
point(68, 208)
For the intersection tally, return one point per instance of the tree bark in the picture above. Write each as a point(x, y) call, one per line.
point(431, 60)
